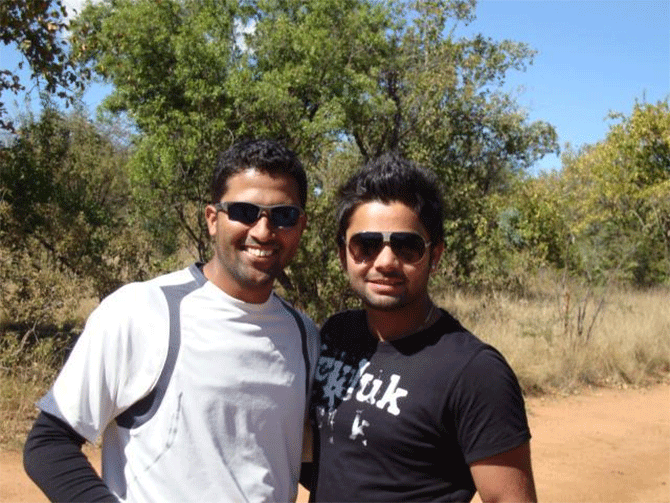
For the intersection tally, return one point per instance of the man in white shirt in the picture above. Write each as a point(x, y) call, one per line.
point(196, 380)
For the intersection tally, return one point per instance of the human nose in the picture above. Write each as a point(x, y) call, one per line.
point(262, 229)
point(386, 258)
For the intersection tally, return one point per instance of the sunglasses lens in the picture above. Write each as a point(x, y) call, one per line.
point(246, 213)
point(284, 216)
point(407, 246)
point(365, 246)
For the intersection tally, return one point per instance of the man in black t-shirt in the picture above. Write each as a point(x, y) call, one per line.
point(407, 404)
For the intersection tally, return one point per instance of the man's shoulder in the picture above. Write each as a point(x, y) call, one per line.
point(191, 275)
point(460, 349)
point(285, 305)
point(352, 318)
point(453, 334)
point(446, 343)
point(154, 285)
point(346, 328)
point(142, 299)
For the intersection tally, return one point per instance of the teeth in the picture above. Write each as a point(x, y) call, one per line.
point(259, 253)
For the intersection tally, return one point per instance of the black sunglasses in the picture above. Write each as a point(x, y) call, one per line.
point(407, 246)
point(280, 215)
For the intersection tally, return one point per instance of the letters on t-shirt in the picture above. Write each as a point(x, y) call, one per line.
point(340, 382)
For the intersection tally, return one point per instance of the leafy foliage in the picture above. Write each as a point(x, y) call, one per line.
point(37, 27)
point(326, 77)
point(361, 73)
point(522, 230)
point(617, 199)
point(603, 218)
point(317, 283)
point(169, 63)
point(66, 233)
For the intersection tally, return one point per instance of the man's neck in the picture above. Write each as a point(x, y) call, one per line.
point(395, 324)
point(257, 295)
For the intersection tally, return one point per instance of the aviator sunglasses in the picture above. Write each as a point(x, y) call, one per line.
point(407, 246)
point(280, 215)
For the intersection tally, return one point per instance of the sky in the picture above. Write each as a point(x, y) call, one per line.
point(593, 57)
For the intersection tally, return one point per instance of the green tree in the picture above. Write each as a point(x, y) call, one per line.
point(617, 197)
point(65, 232)
point(37, 28)
point(327, 77)
point(169, 62)
point(393, 76)
point(523, 229)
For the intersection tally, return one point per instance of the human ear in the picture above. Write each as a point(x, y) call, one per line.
point(435, 255)
point(211, 214)
point(302, 223)
point(342, 253)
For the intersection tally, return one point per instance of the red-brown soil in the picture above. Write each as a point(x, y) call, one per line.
point(599, 446)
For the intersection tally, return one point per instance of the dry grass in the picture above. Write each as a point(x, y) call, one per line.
point(558, 341)
point(26, 372)
point(574, 338)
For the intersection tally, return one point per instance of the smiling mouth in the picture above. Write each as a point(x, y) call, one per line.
point(386, 283)
point(258, 252)
point(386, 279)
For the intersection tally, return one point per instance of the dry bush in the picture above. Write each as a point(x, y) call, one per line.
point(563, 340)
point(543, 337)
point(27, 369)
point(41, 313)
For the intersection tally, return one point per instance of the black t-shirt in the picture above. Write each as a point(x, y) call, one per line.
point(403, 420)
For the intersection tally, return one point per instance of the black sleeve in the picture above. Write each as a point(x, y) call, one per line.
point(489, 409)
point(306, 470)
point(53, 459)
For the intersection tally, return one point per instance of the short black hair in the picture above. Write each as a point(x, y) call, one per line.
point(268, 156)
point(391, 178)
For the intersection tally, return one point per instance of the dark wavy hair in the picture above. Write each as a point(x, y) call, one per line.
point(391, 178)
point(267, 156)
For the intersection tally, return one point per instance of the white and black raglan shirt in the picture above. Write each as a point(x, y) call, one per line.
point(197, 396)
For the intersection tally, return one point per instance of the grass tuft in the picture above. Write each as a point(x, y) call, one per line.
point(561, 342)
point(555, 342)
point(27, 369)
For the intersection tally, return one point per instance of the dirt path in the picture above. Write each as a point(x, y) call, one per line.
point(600, 446)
